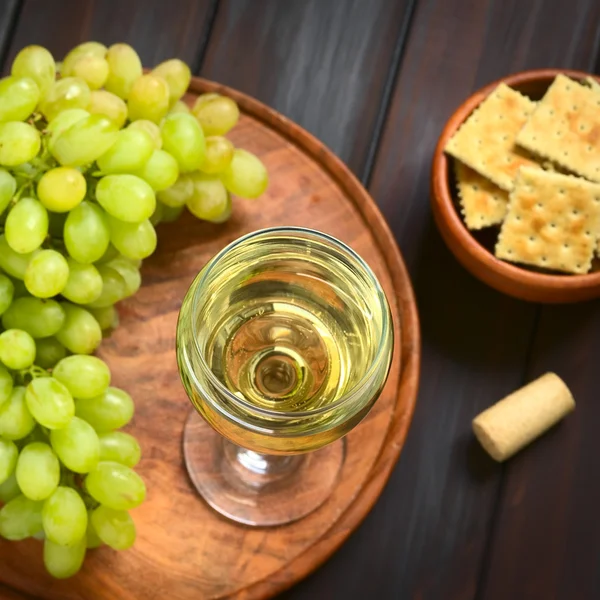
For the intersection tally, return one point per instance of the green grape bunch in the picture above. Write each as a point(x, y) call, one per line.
point(94, 154)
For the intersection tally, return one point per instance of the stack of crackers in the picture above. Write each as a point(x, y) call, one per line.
point(533, 168)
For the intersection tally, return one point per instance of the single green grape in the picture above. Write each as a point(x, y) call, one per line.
point(130, 152)
point(84, 376)
point(109, 105)
point(178, 194)
point(171, 213)
point(114, 527)
point(109, 411)
point(125, 68)
point(47, 274)
point(84, 141)
point(152, 129)
point(48, 351)
point(156, 217)
point(9, 453)
point(210, 200)
point(38, 64)
point(85, 49)
point(61, 189)
point(177, 75)
point(129, 272)
point(20, 518)
point(115, 486)
point(81, 333)
point(91, 536)
point(6, 385)
point(40, 318)
point(179, 107)
point(64, 120)
point(64, 561)
point(17, 349)
point(126, 197)
point(84, 284)
point(216, 114)
point(19, 143)
point(9, 489)
point(64, 517)
point(16, 421)
point(26, 225)
point(86, 233)
point(8, 187)
point(120, 447)
point(38, 471)
point(92, 69)
point(49, 402)
point(12, 262)
point(160, 170)
point(219, 152)
point(107, 317)
point(245, 176)
point(68, 92)
point(7, 292)
point(148, 99)
point(114, 287)
point(132, 240)
point(183, 138)
point(18, 98)
point(76, 445)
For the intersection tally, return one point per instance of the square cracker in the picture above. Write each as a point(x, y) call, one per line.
point(565, 127)
point(482, 203)
point(553, 221)
point(486, 140)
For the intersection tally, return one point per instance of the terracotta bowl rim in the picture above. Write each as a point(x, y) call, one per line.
point(451, 217)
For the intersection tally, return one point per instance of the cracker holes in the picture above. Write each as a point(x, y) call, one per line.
point(575, 107)
point(565, 153)
point(578, 266)
point(551, 112)
point(475, 187)
point(574, 212)
point(582, 127)
point(531, 238)
point(509, 251)
point(589, 148)
point(500, 117)
point(566, 246)
point(552, 225)
point(518, 218)
point(544, 259)
point(561, 191)
point(539, 205)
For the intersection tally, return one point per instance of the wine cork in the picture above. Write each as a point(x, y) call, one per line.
point(512, 423)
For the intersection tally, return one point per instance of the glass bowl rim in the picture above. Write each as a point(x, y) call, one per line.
point(385, 340)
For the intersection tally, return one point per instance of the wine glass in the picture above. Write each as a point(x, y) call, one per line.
point(284, 342)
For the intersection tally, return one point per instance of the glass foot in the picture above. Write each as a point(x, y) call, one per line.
point(258, 489)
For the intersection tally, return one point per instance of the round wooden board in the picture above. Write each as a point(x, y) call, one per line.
point(185, 550)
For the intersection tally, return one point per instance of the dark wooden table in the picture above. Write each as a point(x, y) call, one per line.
point(376, 80)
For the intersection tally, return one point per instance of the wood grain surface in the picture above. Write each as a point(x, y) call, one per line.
point(377, 83)
point(184, 549)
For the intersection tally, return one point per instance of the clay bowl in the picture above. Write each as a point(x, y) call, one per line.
point(475, 249)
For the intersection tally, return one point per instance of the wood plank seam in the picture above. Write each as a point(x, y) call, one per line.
point(387, 93)
point(196, 66)
point(486, 555)
point(11, 16)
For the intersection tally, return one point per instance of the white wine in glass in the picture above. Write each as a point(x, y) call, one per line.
point(284, 342)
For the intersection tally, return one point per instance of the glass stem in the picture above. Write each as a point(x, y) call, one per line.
point(252, 470)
